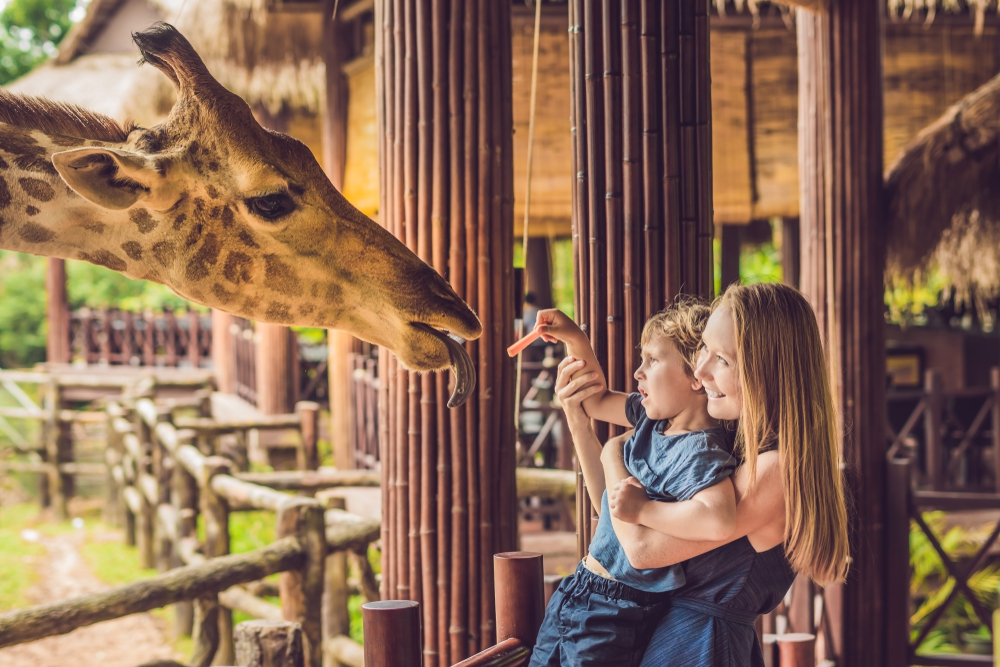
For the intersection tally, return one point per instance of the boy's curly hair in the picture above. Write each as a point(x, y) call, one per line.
point(682, 324)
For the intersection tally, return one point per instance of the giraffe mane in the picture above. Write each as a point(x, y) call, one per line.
point(38, 113)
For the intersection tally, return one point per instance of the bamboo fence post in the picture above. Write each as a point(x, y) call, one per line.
point(897, 635)
point(216, 512)
point(336, 618)
point(443, 82)
point(308, 456)
point(797, 649)
point(269, 644)
point(392, 633)
point(520, 596)
point(302, 590)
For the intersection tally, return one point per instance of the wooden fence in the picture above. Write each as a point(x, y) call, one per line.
point(120, 337)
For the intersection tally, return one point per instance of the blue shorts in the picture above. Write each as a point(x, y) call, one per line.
point(591, 620)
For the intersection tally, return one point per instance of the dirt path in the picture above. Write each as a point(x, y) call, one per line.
point(123, 642)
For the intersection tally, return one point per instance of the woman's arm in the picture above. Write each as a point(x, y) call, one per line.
point(647, 548)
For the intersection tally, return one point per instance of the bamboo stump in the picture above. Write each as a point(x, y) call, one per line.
point(269, 644)
point(392, 633)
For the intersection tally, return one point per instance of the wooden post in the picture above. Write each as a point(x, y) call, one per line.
point(269, 644)
point(184, 497)
point(206, 632)
point(334, 161)
point(995, 423)
point(897, 552)
point(790, 249)
point(934, 449)
point(275, 393)
point(538, 271)
point(443, 82)
point(308, 456)
point(302, 590)
point(216, 512)
point(520, 596)
point(730, 260)
point(392, 633)
point(53, 450)
point(56, 312)
point(797, 649)
point(336, 619)
point(223, 352)
point(843, 263)
point(194, 336)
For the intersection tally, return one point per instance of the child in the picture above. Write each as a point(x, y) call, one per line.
point(605, 612)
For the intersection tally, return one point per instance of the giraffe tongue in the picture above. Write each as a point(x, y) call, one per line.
point(461, 364)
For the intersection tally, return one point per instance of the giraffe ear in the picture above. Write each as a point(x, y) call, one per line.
point(111, 178)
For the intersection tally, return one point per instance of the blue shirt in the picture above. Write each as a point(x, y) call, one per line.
point(672, 468)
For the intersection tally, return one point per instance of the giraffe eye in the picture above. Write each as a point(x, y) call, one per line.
point(271, 207)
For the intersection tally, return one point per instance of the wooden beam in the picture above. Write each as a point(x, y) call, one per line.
point(57, 312)
point(843, 260)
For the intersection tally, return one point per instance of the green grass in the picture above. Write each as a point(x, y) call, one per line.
point(17, 556)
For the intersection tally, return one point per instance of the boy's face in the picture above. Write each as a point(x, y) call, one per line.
point(665, 386)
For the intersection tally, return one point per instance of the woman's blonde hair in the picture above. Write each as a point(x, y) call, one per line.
point(787, 400)
point(682, 324)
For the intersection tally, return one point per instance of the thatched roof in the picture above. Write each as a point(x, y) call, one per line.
point(272, 59)
point(943, 203)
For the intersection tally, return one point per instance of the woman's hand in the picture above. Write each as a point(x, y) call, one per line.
point(556, 326)
point(572, 388)
point(627, 499)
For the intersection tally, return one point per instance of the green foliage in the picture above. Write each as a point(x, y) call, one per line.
point(22, 310)
point(250, 530)
point(17, 556)
point(22, 301)
point(930, 584)
point(906, 303)
point(30, 31)
point(562, 272)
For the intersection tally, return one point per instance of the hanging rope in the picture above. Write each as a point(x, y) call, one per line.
point(527, 198)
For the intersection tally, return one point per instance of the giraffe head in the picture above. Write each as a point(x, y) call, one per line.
point(243, 219)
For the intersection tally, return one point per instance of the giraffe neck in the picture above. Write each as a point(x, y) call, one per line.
point(41, 215)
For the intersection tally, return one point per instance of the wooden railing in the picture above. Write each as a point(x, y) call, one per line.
point(112, 336)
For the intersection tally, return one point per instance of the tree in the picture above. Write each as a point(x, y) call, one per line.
point(30, 31)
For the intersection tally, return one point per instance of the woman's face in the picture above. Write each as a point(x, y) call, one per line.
point(717, 366)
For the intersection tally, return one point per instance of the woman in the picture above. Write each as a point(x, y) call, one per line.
point(763, 364)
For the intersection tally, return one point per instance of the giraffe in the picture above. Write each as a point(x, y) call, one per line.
point(224, 212)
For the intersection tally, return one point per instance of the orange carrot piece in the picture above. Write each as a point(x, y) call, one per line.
point(516, 348)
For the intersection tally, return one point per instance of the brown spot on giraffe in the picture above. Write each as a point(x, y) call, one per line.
point(280, 278)
point(39, 164)
point(133, 250)
point(314, 291)
point(105, 259)
point(4, 194)
point(143, 220)
point(37, 189)
point(334, 293)
point(227, 217)
point(193, 150)
point(247, 239)
point(164, 252)
point(3, 165)
point(95, 226)
point(222, 293)
point(194, 235)
point(307, 310)
point(208, 254)
point(179, 221)
point(278, 312)
point(32, 210)
point(212, 192)
point(213, 166)
point(32, 232)
point(238, 268)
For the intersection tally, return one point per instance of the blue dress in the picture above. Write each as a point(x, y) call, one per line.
point(710, 621)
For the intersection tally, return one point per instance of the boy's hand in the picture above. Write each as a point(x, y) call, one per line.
point(556, 326)
point(627, 499)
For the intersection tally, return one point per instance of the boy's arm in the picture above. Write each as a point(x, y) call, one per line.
point(604, 405)
point(709, 515)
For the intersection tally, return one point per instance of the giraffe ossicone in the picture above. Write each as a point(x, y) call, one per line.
point(226, 213)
